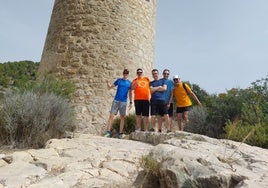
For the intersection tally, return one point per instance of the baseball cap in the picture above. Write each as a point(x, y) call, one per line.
point(176, 77)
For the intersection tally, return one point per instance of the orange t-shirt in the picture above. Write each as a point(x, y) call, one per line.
point(181, 96)
point(141, 88)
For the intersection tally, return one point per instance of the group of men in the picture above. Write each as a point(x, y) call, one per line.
point(151, 99)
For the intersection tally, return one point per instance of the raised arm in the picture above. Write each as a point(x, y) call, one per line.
point(109, 86)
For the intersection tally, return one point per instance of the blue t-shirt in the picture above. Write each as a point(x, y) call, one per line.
point(158, 95)
point(170, 87)
point(123, 86)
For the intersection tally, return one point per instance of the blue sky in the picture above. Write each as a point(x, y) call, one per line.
point(213, 43)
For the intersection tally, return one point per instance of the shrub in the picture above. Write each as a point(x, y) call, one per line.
point(63, 88)
point(197, 120)
point(16, 74)
point(29, 119)
point(151, 176)
point(130, 124)
point(251, 134)
point(150, 165)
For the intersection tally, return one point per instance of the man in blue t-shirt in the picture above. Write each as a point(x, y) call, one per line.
point(157, 102)
point(169, 95)
point(120, 102)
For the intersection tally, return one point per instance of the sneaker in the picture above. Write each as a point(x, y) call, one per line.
point(138, 130)
point(120, 135)
point(151, 130)
point(108, 134)
point(168, 131)
point(159, 130)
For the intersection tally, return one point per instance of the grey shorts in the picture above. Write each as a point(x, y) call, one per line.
point(119, 106)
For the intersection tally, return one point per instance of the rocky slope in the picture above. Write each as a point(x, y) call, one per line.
point(185, 160)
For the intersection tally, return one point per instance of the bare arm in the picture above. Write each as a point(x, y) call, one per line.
point(162, 88)
point(195, 98)
point(134, 84)
point(109, 86)
point(158, 88)
point(130, 94)
point(153, 89)
point(171, 97)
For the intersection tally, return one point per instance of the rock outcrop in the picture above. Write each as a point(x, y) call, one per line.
point(185, 160)
point(192, 160)
point(83, 161)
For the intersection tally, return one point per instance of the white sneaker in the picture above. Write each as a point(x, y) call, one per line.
point(138, 130)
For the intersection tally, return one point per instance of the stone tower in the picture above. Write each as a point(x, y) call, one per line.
point(89, 41)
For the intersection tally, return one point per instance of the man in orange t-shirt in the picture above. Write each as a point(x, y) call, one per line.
point(142, 95)
point(183, 102)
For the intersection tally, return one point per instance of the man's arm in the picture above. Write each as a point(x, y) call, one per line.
point(109, 86)
point(134, 84)
point(158, 88)
point(130, 94)
point(162, 88)
point(195, 98)
point(153, 89)
point(171, 97)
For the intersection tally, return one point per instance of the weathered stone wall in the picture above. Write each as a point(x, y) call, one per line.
point(89, 41)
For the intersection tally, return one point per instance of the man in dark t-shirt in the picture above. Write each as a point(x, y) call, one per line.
point(157, 102)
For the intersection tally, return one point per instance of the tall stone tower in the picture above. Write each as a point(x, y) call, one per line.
point(89, 41)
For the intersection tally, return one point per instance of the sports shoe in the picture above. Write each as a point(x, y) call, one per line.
point(168, 131)
point(159, 130)
point(151, 130)
point(138, 130)
point(120, 135)
point(108, 134)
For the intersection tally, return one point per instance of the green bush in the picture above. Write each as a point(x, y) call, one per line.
point(251, 134)
point(29, 119)
point(197, 120)
point(130, 124)
point(151, 176)
point(252, 127)
point(150, 165)
point(63, 88)
point(16, 74)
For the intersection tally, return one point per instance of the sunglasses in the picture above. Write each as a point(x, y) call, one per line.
point(139, 72)
point(125, 72)
point(166, 73)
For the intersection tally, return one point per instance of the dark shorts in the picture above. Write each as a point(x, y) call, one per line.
point(142, 107)
point(183, 109)
point(158, 107)
point(170, 110)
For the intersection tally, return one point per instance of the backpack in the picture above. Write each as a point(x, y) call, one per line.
point(184, 86)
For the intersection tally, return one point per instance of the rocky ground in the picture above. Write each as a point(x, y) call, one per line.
point(185, 160)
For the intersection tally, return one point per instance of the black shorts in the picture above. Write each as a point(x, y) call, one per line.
point(158, 107)
point(142, 107)
point(170, 110)
point(183, 109)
